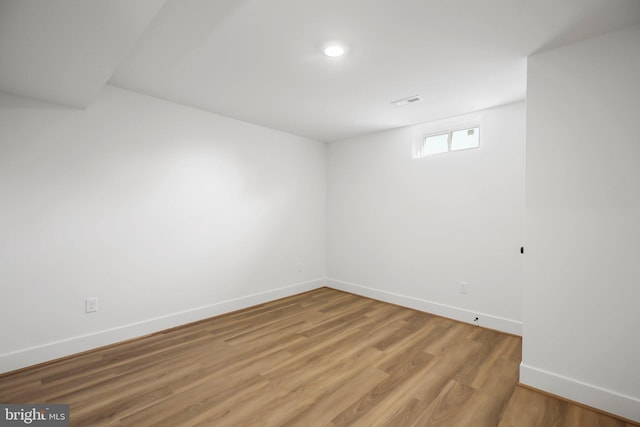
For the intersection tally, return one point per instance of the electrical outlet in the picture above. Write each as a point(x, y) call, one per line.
point(91, 305)
point(464, 288)
point(299, 267)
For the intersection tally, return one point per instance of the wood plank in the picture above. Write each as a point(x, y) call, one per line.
point(324, 357)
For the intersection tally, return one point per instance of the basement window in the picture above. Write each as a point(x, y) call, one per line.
point(444, 142)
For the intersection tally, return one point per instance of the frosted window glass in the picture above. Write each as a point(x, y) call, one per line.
point(436, 144)
point(464, 139)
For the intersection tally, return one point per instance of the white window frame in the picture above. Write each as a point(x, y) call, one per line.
point(420, 145)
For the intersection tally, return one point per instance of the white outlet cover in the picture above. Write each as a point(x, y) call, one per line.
point(91, 305)
point(463, 288)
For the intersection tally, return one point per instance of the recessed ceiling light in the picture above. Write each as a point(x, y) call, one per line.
point(334, 49)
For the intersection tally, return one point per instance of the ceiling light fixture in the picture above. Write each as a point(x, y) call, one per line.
point(334, 49)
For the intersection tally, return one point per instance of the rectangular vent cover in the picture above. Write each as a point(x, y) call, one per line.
point(406, 101)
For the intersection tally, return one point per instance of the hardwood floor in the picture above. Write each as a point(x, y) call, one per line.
point(323, 358)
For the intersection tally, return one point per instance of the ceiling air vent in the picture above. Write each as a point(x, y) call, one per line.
point(409, 100)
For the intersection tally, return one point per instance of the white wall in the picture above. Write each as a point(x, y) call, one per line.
point(167, 214)
point(408, 231)
point(582, 285)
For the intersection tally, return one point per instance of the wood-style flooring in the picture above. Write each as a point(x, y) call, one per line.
point(323, 358)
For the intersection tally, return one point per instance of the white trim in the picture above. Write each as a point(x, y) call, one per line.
point(57, 349)
point(451, 123)
point(588, 394)
point(486, 320)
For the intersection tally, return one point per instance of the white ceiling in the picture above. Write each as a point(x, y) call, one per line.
point(64, 51)
point(261, 61)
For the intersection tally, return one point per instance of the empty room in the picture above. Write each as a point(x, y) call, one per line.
point(320, 213)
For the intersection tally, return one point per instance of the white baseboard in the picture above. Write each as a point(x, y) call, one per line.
point(486, 320)
point(588, 394)
point(57, 349)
